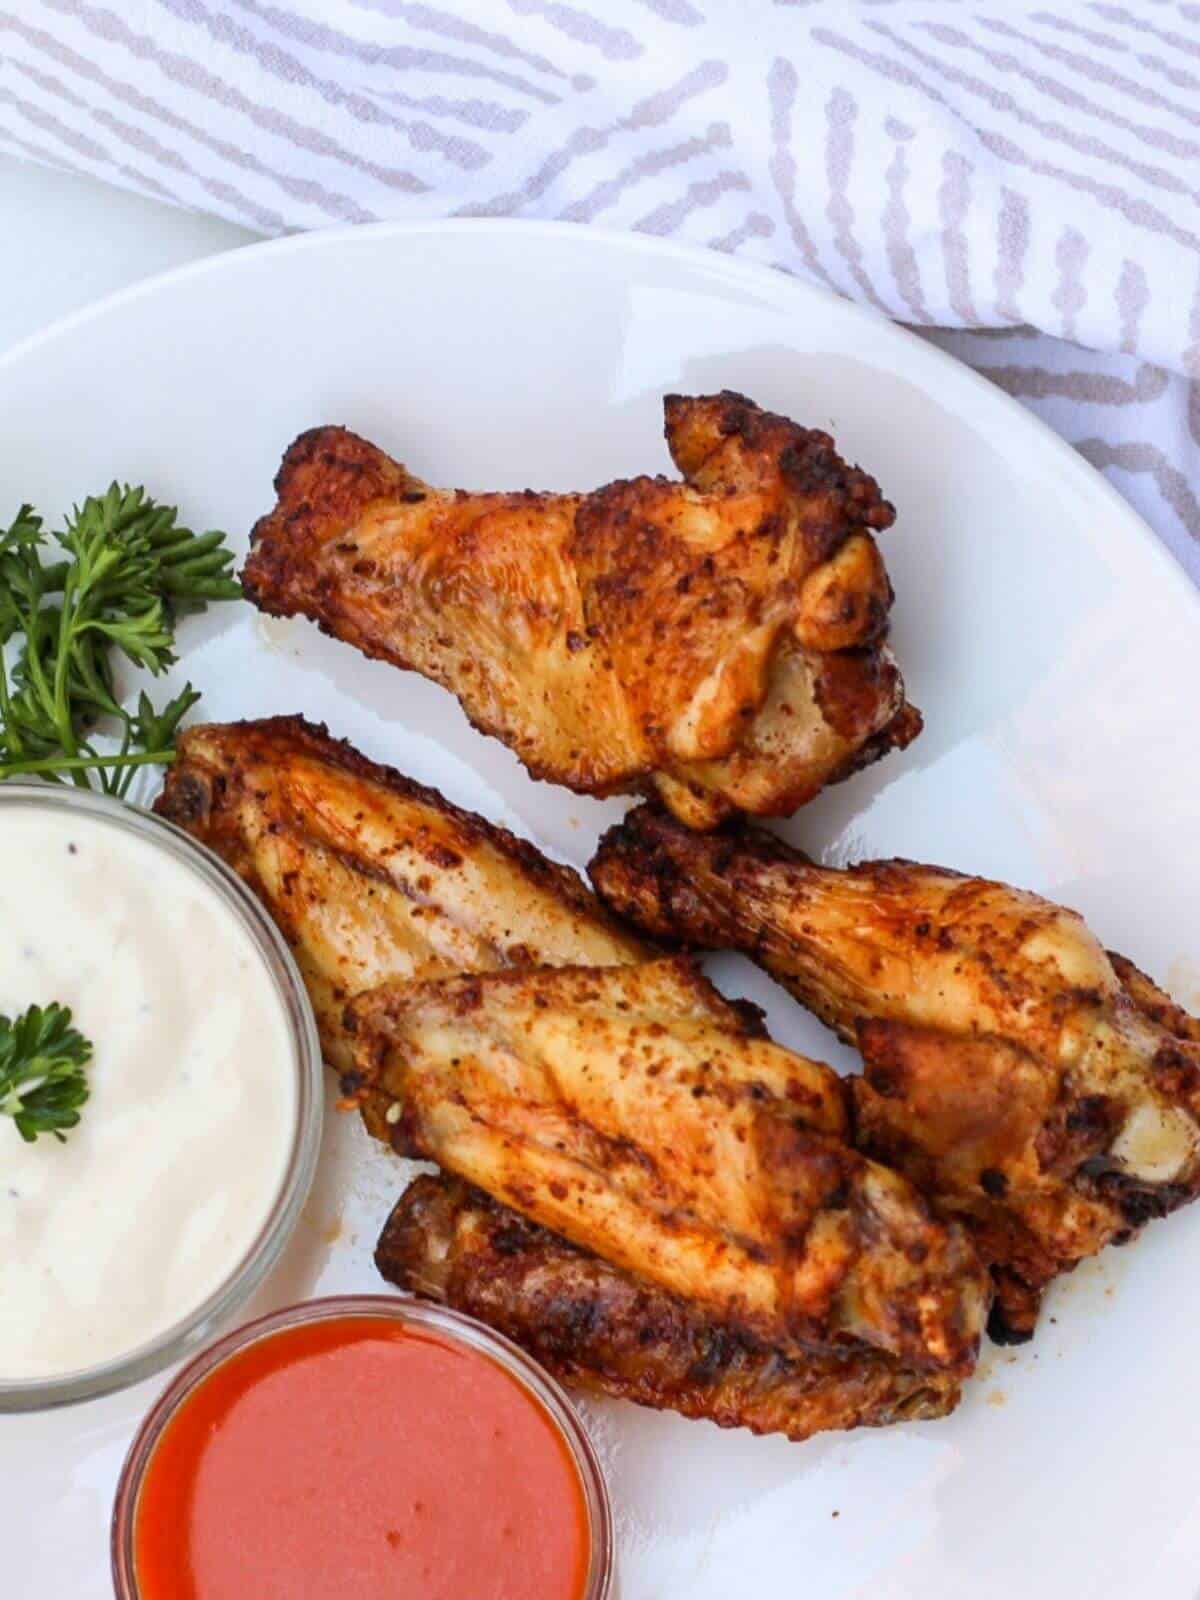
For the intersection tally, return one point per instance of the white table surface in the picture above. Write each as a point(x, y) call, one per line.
point(69, 240)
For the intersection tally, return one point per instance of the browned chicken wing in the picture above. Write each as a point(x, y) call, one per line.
point(594, 1326)
point(640, 1115)
point(718, 640)
point(369, 875)
point(1044, 1092)
point(373, 877)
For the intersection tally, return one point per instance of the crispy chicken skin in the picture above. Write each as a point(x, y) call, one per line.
point(640, 1115)
point(369, 875)
point(594, 1326)
point(372, 877)
point(718, 639)
point(1045, 1093)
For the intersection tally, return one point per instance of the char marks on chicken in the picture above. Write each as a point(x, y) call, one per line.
point(1044, 1093)
point(717, 640)
point(638, 1114)
point(597, 1328)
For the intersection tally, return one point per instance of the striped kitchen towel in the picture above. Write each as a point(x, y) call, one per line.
point(1024, 176)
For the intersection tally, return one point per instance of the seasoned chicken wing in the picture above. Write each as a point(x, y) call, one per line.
point(717, 639)
point(369, 875)
point(598, 1328)
point(640, 1115)
point(1044, 1092)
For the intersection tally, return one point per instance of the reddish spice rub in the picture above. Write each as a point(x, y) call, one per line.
point(357, 1459)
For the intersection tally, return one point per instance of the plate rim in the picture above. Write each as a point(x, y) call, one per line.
point(772, 280)
point(1027, 446)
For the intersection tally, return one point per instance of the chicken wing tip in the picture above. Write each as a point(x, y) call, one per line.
point(328, 476)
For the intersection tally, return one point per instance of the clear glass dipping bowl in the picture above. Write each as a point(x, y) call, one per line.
point(450, 1326)
point(248, 1272)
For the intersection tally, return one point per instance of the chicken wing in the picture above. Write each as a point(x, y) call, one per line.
point(718, 640)
point(640, 1115)
point(1045, 1093)
point(594, 1326)
point(369, 875)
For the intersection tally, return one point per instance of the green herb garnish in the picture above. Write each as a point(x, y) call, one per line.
point(42, 1077)
point(122, 573)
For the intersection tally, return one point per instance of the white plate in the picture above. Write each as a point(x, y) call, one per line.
point(1053, 645)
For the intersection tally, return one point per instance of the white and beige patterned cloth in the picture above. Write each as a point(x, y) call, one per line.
point(1026, 173)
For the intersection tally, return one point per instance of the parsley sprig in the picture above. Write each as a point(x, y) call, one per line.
point(111, 583)
point(42, 1078)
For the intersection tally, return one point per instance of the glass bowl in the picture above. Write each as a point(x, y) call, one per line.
point(245, 1274)
point(451, 1326)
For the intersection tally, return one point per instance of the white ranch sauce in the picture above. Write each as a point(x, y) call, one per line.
point(109, 1239)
